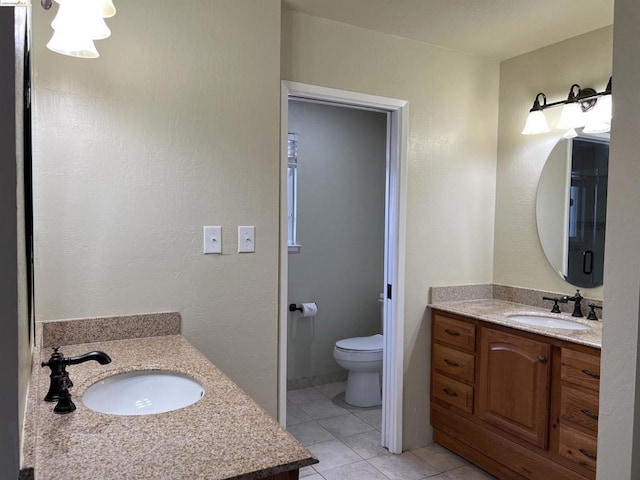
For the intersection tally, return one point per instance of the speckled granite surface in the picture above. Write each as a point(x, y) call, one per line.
point(98, 329)
point(457, 293)
point(496, 311)
point(225, 435)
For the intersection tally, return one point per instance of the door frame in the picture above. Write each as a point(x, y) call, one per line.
point(395, 234)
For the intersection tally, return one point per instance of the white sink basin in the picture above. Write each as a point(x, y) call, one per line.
point(143, 392)
point(548, 322)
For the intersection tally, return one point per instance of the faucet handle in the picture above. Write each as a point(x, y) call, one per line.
point(592, 313)
point(556, 307)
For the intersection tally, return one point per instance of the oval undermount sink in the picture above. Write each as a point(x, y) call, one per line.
point(548, 322)
point(143, 392)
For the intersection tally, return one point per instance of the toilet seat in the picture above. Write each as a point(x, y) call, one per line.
point(372, 344)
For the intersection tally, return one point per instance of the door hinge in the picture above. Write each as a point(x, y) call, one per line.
point(389, 287)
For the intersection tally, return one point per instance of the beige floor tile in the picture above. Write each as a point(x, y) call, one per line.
point(307, 472)
point(372, 417)
point(355, 471)
point(332, 389)
point(323, 408)
point(332, 454)
point(439, 457)
point(344, 425)
point(403, 467)
point(304, 395)
point(469, 472)
point(296, 416)
point(367, 445)
point(309, 433)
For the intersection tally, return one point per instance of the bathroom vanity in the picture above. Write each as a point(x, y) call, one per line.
point(519, 401)
point(224, 435)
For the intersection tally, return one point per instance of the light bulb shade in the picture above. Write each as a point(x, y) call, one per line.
point(72, 44)
point(82, 17)
point(596, 127)
point(571, 116)
point(603, 109)
point(107, 8)
point(536, 123)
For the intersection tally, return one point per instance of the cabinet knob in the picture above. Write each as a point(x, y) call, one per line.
point(450, 363)
point(453, 333)
point(542, 359)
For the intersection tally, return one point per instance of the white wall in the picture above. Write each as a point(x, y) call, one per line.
point(519, 258)
point(341, 195)
point(453, 100)
point(619, 425)
point(174, 127)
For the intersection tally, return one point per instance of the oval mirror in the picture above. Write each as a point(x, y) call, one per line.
point(571, 208)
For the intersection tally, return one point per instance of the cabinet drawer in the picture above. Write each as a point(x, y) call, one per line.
point(452, 392)
point(579, 407)
point(453, 332)
point(454, 362)
point(578, 447)
point(581, 368)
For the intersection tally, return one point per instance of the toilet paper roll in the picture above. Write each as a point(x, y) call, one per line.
point(309, 309)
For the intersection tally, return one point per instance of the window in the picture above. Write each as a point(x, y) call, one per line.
point(292, 192)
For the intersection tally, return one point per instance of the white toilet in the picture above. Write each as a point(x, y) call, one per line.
point(362, 356)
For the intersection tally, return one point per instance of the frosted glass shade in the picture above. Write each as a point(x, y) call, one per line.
point(571, 117)
point(536, 123)
point(72, 44)
point(82, 17)
point(108, 10)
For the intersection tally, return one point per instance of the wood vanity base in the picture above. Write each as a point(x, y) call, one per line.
point(520, 405)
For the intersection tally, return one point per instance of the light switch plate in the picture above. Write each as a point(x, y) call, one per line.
point(212, 239)
point(246, 239)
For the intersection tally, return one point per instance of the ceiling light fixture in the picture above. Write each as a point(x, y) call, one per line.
point(574, 112)
point(77, 24)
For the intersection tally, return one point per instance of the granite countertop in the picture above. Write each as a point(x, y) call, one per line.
point(225, 435)
point(496, 311)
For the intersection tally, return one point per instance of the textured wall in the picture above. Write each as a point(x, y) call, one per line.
point(519, 258)
point(174, 127)
point(453, 107)
point(341, 194)
point(619, 425)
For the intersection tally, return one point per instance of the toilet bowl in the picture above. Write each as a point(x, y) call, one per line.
point(362, 356)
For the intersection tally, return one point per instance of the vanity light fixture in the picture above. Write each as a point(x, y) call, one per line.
point(574, 112)
point(77, 24)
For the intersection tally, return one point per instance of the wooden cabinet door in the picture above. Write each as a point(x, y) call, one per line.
point(513, 389)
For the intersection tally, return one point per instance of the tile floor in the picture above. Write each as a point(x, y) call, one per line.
point(346, 440)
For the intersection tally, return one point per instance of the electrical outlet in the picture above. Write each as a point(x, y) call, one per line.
point(212, 239)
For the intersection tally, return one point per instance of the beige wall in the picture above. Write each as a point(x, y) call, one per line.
point(174, 127)
point(453, 102)
point(619, 426)
point(519, 258)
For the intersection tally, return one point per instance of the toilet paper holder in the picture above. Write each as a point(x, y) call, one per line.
point(297, 308)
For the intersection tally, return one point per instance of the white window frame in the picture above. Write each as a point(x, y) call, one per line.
point(292, 193)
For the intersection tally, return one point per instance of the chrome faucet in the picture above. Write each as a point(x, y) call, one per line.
point(577, 299)
point(60, 383)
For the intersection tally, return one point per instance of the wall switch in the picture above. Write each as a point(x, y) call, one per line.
point(246, 239)
point(212, 239)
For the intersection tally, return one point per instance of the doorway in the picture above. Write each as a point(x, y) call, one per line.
point(396, 112)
